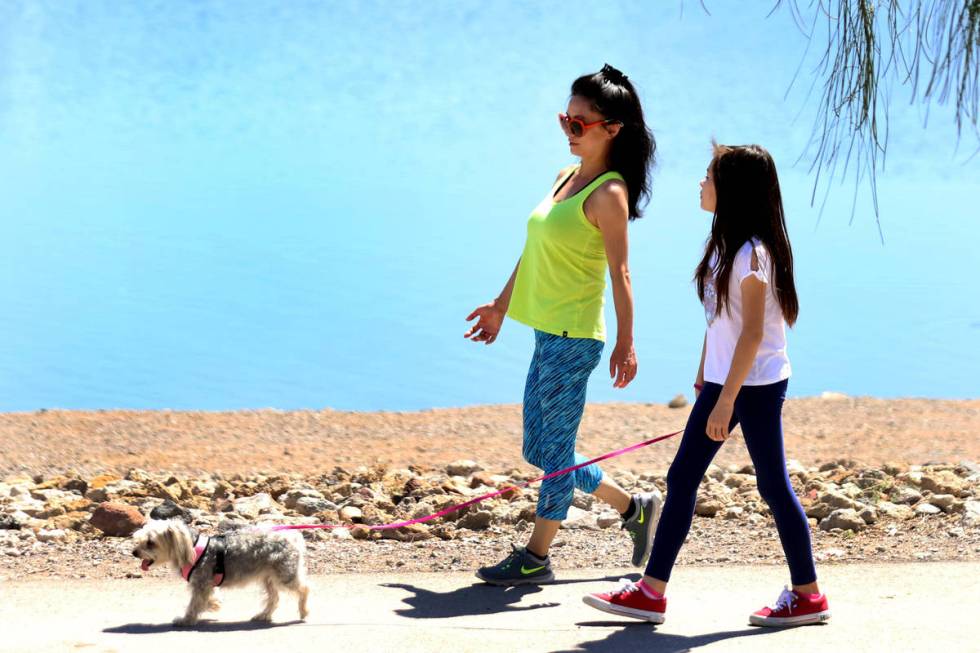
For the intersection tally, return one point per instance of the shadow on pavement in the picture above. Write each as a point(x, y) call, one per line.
point(206, 625)
point(476, 599)
point(644, 636)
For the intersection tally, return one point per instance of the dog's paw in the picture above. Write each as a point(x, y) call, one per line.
point(262, 616)
point(184, 620)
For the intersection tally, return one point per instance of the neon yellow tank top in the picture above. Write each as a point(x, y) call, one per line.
point(561, 280)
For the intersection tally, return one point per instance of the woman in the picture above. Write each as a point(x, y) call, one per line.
point(745, 281)
point(557, 289)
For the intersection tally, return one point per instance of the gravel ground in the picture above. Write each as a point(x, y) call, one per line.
point(209, 462)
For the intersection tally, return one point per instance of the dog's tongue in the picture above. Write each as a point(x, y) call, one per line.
point(145, 565)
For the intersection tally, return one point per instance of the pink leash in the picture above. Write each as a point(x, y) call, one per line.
point(455, 508)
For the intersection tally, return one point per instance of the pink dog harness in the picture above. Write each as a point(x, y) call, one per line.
point(200, 548)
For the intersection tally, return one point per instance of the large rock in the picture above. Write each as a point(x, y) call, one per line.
point(678, 401)
point(971, 514)
point(54, 535)
point(708, 507)
point(927, 509)
point(411, 533)
point(895, 510)
point(795, 467)
point(50, 495)
point(945, 502)
point(583, 501)
point(734, 512)
point(117, 519)
point(27, 505)
point(942, 482)
point(351, 514)
point(341, 534)
point(715, 472)
point(819, 511)
point(869, 515)
point(476, 521)
point(289, 499)
point(170, 510)
point(172, 492)
point(838, 500)
point(580, 519)
point(114, 489)
point(462, 468)
point(311, 505)
point(905, 494)
point(845, 519)
point(608, 519)
point(738, 480)
point(255, 505)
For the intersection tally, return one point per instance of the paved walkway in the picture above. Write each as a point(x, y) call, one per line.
point(908, 607)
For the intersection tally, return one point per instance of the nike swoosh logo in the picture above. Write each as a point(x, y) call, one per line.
point(641, 515)
point(526, 571)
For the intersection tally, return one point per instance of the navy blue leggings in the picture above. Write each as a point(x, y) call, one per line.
point(759, 410)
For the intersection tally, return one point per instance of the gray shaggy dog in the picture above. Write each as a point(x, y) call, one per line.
point(277, 560)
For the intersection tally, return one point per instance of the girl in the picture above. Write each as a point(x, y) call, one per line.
point(745, 281)
point(557, 289)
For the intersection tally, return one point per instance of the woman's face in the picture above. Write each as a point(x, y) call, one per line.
point(708, 198)
point(594, 139)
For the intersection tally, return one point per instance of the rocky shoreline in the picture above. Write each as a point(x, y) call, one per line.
point(75, 526)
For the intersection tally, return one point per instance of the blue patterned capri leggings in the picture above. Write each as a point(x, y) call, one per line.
point(554, 398)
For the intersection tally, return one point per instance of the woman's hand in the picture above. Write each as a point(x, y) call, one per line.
point(719, 420)
point(488, 326)
point(622, 364)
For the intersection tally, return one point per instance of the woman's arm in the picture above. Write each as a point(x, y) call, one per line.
point(492, 315)
point(609, 207)
point(753, 316)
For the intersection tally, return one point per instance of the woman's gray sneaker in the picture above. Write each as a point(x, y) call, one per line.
point(519, 568)
point(643, 524)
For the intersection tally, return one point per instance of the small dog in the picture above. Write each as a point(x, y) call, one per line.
point(236, 557)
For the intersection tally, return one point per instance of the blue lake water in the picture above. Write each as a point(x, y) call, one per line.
point(217, 205)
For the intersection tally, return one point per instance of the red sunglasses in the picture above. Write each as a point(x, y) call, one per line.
point(577, 127)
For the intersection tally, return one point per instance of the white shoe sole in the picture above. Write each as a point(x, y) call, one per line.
point(605, 606)
point(789, 622)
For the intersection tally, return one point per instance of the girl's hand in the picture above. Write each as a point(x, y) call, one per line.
point(488, 326)
point(622, 365)
point(718, 421)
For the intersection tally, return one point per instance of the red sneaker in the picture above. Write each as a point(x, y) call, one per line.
point(629, 601)
point(791, 609)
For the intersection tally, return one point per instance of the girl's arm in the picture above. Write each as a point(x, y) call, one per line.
point(753, 315)
point(699, 380)
point(609, 205)
point(492, 315)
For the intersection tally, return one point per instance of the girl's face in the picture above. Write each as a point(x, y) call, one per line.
point(594, 140)
point(708, 198)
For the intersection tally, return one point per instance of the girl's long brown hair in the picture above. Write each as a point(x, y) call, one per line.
point(748, 205)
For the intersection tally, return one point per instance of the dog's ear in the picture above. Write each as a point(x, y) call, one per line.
point(180, 542)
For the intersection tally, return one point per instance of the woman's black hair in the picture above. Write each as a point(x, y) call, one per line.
point(633, 150)
point(748, 205)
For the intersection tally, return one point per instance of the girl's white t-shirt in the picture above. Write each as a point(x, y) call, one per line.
point(771, 363)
